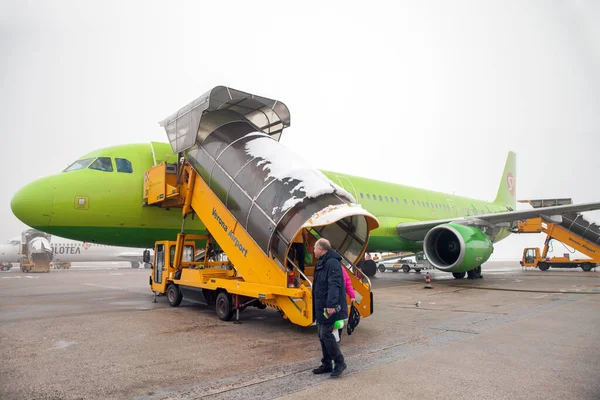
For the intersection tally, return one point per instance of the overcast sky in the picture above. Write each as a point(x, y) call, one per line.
point(431, 94)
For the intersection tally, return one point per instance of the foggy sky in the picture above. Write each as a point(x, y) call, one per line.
point(429, 94)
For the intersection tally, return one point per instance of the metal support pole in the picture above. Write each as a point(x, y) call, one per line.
point(237, 309)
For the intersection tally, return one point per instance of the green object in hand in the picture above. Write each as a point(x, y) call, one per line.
point(308, 258)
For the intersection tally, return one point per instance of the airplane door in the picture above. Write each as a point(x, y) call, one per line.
point(348, 186)
point(452, 208)
point(159, 263)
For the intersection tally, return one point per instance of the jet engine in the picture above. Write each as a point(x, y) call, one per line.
point(457, 248)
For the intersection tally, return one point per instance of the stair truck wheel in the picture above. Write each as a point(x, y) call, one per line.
point(406, 269)
point(458, 275)
point(223, 306)
point(174, 295)
point(369, 268)
point(586, 267)
point(543, 266)
point(381, 268)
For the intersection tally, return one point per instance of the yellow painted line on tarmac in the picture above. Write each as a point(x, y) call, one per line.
point(523, 290)
point(68, 301)
point(103, 286)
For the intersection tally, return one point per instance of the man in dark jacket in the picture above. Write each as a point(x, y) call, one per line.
point(329, 305)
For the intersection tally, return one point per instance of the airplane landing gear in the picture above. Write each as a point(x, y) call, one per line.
point(475, 273)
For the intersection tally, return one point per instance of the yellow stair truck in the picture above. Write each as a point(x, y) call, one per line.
point(254, 196)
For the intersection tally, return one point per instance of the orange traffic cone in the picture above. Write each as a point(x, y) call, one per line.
point(428, 282)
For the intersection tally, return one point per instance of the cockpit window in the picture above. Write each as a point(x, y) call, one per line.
point(79, 164)
point(102, 164)
point(123, 165)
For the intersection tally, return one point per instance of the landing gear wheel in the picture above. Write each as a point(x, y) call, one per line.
point(369, 268)
point(586, 267)
point(406, 269)
point(458, 275)
point(223, 307)
point(477, 272)
point(174, 295)
point(471, 274)
point(543, 266)
point(381, 268)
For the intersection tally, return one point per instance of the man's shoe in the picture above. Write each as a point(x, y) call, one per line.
point(322, 369)
point(337, 371)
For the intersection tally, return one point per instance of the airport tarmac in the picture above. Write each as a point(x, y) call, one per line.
point(94, 333)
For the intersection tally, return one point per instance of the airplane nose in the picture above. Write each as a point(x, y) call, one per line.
point(32, 204)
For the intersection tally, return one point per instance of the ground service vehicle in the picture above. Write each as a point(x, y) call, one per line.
point(35, 253)
point(405, 263)
point(573, 230)
point(533, 258)
point(254, 197)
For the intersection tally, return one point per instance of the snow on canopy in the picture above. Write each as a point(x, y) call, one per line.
point(287, 167)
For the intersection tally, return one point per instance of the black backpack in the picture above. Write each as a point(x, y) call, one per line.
point(353, 319)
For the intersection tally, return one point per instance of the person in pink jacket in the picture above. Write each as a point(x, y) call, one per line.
point(350, 292)
point(348, 284)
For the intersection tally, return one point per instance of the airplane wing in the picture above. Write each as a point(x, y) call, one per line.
point(416, 231)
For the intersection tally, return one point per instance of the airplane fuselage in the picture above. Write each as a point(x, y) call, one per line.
point(105, 207)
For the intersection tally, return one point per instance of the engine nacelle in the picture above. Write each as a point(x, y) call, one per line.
point(457, 248)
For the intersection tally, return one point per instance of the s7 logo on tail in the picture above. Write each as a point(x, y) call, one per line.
point(510, 182)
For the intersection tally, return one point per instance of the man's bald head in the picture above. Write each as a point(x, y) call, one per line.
point(323, 244)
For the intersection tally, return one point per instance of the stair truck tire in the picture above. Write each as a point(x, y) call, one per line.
point(174, 295)
point(369, 268)
point(543, 266)
point(406, 269)
point(381, 268)
point(223, 306)
point(586, 267)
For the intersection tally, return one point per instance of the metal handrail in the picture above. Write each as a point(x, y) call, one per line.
point(301, 273)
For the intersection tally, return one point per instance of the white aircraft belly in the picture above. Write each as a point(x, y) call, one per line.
point(65, 252)
point(9, 253)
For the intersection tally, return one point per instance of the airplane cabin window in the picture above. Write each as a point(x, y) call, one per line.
point(102, 164)
point(380, 199)
point(362, 196)
point(123, 165)
point(79, 164)
point(413, 202)
point(368, 196)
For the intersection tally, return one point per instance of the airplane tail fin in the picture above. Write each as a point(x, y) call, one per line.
point(507, 191)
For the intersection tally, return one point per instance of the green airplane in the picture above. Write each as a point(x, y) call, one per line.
point(98, 199)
